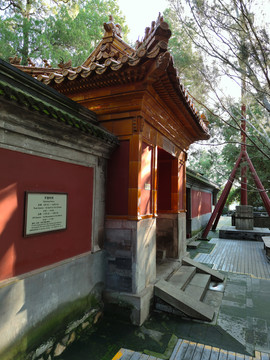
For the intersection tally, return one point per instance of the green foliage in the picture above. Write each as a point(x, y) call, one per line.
point(187, 59)
point(70, 30)
point(234, 196)
point(230, 36)
point(257, 127)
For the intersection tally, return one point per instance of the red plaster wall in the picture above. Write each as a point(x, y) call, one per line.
point(200, 203)
point(21, 172)
point(146, 178)
point(117, 181)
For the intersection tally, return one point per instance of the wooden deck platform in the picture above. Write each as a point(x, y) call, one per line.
point(188, 350)
point(240, 256)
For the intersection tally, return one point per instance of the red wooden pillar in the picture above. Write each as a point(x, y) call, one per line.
point(259, 185)
point(182, 182)
point(134, 192)
point(244, 200)
point(154, 180)
point(174, 186)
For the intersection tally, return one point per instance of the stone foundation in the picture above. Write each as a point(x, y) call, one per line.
point(38, 307)
point(131, 254)
point(131, 259)
point(57, 344)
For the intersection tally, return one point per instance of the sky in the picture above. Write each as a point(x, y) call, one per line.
point(139, 14)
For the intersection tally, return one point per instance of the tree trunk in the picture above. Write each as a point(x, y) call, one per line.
point(26, 32)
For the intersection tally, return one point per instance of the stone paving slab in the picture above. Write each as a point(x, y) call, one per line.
point(246, 300)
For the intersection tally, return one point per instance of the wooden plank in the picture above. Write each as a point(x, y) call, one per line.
point(214, 353)
point(223, 354)
point(231, 355)
point(135, 356)
point(181, 351)
point(190, 351)
point(198, 352)
point(144, 357)
point(265, 356)
point(176, 348)
point(206, 352)
point(239, 356)
point(238, 256)
point(123, 354)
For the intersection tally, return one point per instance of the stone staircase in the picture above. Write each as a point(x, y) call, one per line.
point(185, 290)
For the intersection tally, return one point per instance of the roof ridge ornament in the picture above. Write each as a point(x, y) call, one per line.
point(46, 63)
point(112, 29)
point(63, 65)
point(15, 60)
point(158, 31)
point(30, 62)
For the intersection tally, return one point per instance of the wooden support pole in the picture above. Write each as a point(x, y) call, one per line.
point(258, 183)
point(244, 200)
point(222, 200)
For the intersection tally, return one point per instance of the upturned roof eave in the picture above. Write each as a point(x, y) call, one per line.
point(114, 63)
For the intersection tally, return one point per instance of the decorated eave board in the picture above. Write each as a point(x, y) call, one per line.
point(114, 64)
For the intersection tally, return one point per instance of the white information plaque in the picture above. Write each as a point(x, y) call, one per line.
point(45, 212)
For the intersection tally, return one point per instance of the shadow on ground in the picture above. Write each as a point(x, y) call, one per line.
point(112, 333)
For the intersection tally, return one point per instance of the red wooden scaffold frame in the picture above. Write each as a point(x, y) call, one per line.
point(243, 156)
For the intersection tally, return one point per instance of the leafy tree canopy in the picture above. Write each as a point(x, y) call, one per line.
point(54, 29)
point(187, 59)
point(232, 38)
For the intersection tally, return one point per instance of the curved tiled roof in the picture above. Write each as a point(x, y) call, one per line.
point(114, 62)
point(54, 106)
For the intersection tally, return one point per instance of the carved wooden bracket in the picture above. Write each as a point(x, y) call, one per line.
point(138, 124)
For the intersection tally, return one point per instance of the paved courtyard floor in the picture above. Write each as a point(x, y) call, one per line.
point(237, 256)
point(245, 308)
point(241, 329)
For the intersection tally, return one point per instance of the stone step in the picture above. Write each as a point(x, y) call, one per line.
point(193, 244)
point(183, 302)
point(182, 277)
point(230, 232)
point(198, 286)
point(200, 268)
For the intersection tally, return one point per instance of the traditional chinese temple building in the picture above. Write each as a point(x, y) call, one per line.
point(135, 95)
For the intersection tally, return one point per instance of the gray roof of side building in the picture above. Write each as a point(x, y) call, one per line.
point(19, 87)
point(194, 177)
